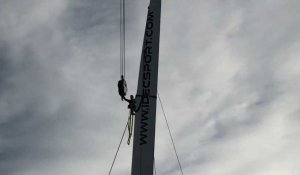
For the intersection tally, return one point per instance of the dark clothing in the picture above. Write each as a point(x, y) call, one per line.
point(131, 105)
point(132, 108)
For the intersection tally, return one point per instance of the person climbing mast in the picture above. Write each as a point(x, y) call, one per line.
point(132, 109)
point(122, 87)
point(131, 105)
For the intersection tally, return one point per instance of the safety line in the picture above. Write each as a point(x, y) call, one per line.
point(117, 150)
point(161, 104)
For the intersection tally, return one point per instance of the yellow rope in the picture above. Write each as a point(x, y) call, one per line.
point(130, 126)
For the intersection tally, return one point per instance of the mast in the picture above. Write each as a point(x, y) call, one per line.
point(144, 130)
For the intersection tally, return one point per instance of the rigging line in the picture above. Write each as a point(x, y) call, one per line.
point(161, 104)
point(117, 150)
point(124, 41)
point(122, 23)
point(122, 49)
point(121, 61)
point(154, 167)
point(122, 38)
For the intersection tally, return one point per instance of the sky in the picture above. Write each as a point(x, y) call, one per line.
point(228, 79)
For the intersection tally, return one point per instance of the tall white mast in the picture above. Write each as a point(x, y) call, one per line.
point(144, 130)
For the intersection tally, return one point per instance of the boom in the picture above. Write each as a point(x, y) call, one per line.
point(144, 130)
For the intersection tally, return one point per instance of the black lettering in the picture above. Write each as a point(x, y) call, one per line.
point(146, 100)
point(146, 85)
point(148, 42)
point(148, 50)
point(142, 139)
point(145, 114)
point(147, 58)
point(150, 16)
point(146, 67)
point(147, 76)
point(146, 92)
point(149, 33)
point(149, 25)
point(143, 128)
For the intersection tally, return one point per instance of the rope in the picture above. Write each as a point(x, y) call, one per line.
point(117, 150)
point(154, 167)
point(122, 38)
point(130, 126)
point(124, 48)
point(121, 56)
point(161, 104)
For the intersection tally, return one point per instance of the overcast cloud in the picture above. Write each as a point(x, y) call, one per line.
point(228, 78)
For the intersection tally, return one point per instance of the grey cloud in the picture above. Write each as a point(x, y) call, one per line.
point(235, 79)
point(228, 79)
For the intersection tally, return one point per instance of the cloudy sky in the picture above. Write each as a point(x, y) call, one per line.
point(228, 78)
